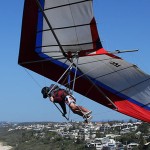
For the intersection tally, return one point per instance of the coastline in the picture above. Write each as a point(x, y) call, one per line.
point(5, 147)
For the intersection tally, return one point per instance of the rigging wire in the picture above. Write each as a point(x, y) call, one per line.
point(43, 68)
point(36, 82)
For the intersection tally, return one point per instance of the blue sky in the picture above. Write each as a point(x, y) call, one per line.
point(121, 24)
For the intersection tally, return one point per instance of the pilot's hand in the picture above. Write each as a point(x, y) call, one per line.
point(52, 99)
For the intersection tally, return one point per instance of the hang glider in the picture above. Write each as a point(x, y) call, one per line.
point(57, 32)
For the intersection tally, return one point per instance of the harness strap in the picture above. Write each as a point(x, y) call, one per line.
point(69, 99)
point(74, 80)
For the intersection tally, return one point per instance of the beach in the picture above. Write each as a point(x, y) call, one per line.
point(3, 147)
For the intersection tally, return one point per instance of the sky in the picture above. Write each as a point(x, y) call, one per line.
point(122, 25)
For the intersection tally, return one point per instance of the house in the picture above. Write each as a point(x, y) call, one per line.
point(132, 145)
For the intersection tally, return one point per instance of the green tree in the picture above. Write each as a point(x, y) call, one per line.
point(141, 142)
point(144, 128)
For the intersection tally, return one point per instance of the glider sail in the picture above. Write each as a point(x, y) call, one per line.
point(56, 32)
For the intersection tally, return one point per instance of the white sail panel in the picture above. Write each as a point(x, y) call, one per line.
point(71, 22)
point(125, 79)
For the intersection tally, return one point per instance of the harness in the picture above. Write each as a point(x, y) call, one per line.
point(70, 99)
